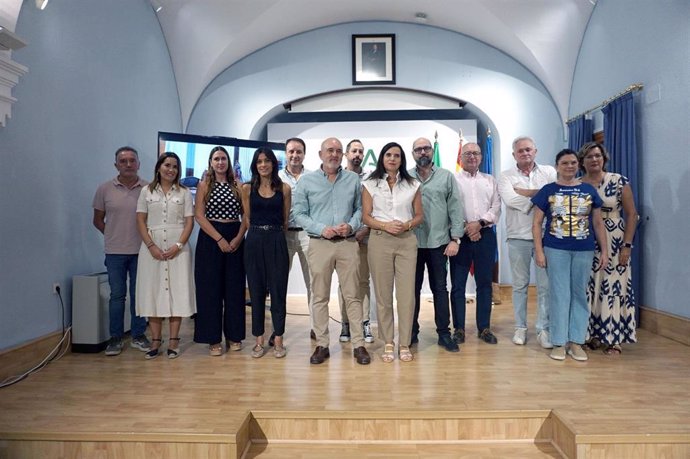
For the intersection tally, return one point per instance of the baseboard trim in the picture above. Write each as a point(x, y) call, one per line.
point(664, 324)
point(17, 360)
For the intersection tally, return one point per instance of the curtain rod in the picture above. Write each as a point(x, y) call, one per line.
point(631, 88)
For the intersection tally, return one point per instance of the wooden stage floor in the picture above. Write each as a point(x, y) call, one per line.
point(646, 390)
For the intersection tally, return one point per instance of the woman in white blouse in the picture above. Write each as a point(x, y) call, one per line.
point(165, 285)
point(392, 208)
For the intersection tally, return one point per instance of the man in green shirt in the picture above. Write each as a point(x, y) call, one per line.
point(438, 238)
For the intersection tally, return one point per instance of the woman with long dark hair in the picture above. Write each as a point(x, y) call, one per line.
point(266, 202)
point(392, 208)
point(165, 287)
point(219, 259)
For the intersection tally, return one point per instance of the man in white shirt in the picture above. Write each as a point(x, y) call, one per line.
point(297, 238)
point(482, 207)
point(516, 186)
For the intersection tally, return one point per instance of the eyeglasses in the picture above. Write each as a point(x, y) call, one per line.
point(425, 149)
point(472, 153)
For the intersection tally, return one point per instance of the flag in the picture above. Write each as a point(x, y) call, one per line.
point(437, 154)
point(458, 162)
point(488, 153)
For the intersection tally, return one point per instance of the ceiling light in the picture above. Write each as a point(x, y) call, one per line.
point(420, 17)
point(157, 5)
point(41, 4)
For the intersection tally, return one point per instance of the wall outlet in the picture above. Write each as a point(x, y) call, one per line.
point(57, 288)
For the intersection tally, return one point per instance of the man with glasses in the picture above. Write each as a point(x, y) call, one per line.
point(115, 215)
point(354, 153)
point(482, 207)
point(328, 205)
point(438, 237)
point(516, 186)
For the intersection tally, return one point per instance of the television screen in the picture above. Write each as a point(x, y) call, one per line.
point(193, 151)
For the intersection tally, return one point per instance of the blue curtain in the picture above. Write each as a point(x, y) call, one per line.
point(487, 164)
point(580, 131)
point(621, 142)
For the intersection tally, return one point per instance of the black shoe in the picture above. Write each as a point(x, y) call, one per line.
point(312, 335)
point(320, 355)
point(345, 333)
point(459, 335)
point(487, 336)
point(448, 343)
point(361, 355)
point(272, 340)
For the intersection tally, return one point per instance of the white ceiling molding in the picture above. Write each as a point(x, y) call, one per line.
point(10, 72)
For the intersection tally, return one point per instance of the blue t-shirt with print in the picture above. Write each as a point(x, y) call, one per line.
point(568, 211)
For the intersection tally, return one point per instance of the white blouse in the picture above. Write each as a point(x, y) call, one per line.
point(391, 204)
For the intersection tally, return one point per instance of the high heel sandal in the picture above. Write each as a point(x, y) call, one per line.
point(405, 354)
point(174, 353)
point(388, 353)
point(153, 353)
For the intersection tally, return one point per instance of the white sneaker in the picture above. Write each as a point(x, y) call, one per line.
point(520, 336)
point(576, 352)
point(544, 339)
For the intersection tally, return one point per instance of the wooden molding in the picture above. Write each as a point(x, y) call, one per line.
point(17, 360)
point(664, 324)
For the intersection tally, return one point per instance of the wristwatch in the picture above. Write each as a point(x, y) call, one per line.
point(456, 240)
point(482, 223)
point(179, 245)
point(628, 245)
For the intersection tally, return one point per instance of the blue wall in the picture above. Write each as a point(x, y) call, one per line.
point(99, 77)
point(639, 41)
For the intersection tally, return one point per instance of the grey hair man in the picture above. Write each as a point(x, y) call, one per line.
point(516, 186)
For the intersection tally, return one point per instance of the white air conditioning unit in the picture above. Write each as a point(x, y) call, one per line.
point(90, 317)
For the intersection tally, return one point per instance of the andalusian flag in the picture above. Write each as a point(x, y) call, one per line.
point(458, 162)
point(437, 154)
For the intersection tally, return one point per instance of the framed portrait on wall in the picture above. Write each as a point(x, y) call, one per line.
point(373, 59)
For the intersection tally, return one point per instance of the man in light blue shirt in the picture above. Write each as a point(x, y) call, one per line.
point(328, 204)
point(438, 238)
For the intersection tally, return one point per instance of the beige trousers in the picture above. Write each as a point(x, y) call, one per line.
point(325, 256)
point(393, 261)
point(363, 294)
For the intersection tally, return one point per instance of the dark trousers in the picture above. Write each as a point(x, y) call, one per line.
point(483, 254)
point(435, 262)
point(220, 281)
point(267, 266)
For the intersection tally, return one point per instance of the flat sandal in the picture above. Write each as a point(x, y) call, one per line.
point(388, 353)
point(405, 354)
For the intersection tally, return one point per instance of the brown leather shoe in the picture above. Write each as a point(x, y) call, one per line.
point(320, 355)
point(361, 355)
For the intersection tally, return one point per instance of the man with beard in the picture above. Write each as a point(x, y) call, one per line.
point(438, 238)
point(355, 155)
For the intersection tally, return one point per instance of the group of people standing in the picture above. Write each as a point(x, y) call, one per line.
point(391, 224)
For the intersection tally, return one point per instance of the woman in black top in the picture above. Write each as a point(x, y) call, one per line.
point(266, 201)
point(219, 265)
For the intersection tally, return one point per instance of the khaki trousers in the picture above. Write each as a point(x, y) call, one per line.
point(393, 262)
point(363, 294)
point(325, 256)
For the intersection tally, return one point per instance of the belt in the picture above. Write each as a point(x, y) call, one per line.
point(295, 228)
point(334, 238)
point(266, 227)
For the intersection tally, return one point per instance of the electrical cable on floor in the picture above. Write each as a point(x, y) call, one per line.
point(55, 354)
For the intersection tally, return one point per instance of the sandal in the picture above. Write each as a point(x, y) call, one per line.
point(215, 350)
point(593, 344)
point(388, 353)
point(233, 346)
point(279, 351)
point(614, 349)
point(258, 351)
point(153, 353)
point(174, 353)
point(405, 354)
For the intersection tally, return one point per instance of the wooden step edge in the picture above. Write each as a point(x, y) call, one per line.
point(403, 415)
point(402, 442)
point(152, 437)
point(632, 438)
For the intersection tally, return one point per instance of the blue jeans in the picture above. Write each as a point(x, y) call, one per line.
point(435, 262)
point(483, 254)
point(569, 272)
point(521, 253)
point(118, 267)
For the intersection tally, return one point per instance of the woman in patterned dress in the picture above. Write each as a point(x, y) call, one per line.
point(610, 293)
point(219, 261)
